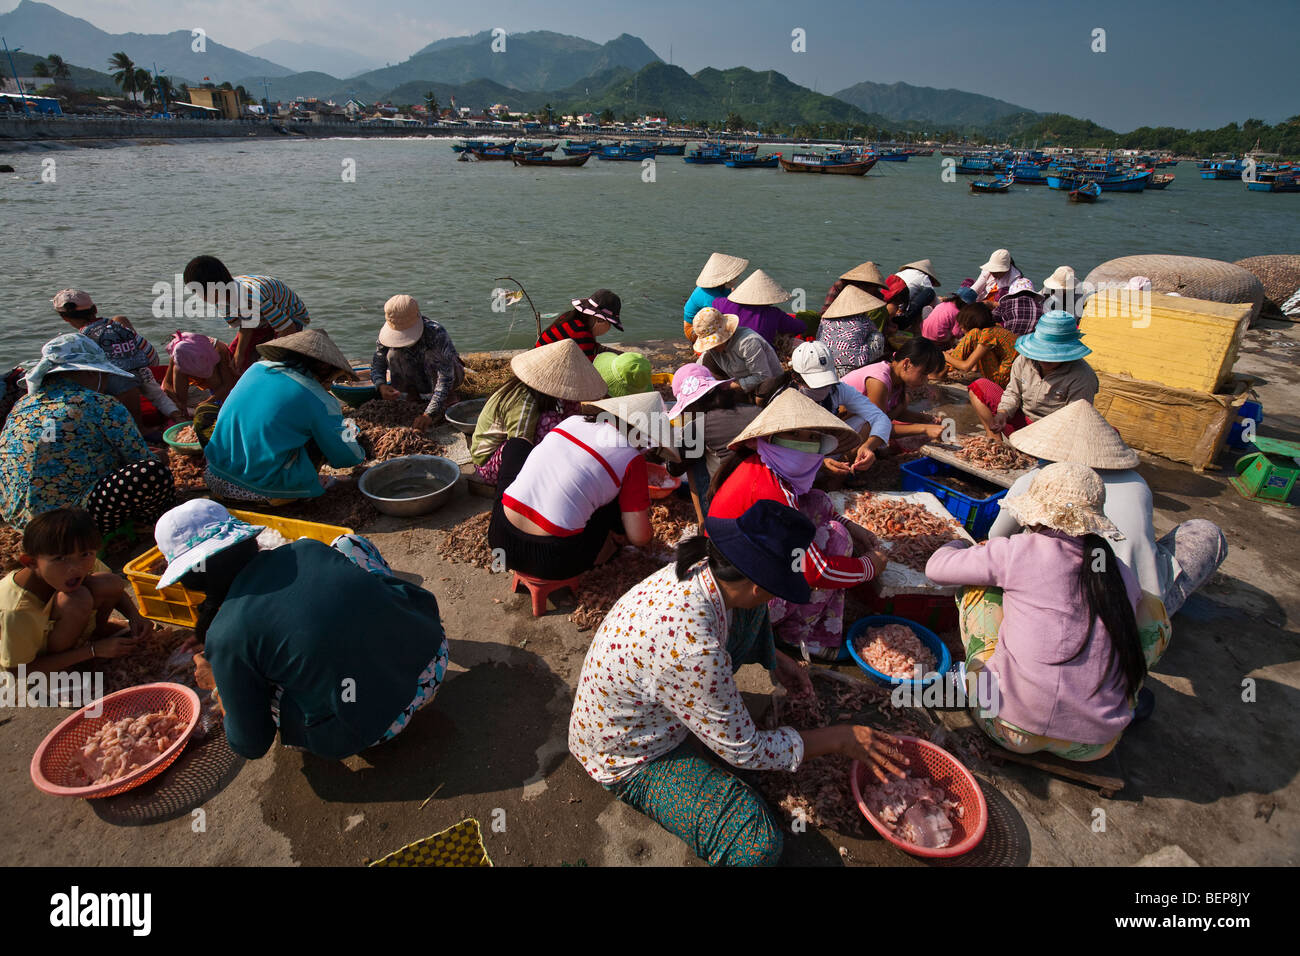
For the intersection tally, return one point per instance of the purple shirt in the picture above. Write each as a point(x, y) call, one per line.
point(1041, 690)
point(767, 320)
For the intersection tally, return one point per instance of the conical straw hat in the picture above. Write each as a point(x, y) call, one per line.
point(923, 265)
point(720, 270)
point(759, 289)
point(867, 272)
point(1066, 497)
point(560, 370)
point(1076, 433)
point(645, 413)
point(313, 343)
point(852, 301)
point(793, 411)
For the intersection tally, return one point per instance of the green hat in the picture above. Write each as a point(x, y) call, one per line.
point(625, 373)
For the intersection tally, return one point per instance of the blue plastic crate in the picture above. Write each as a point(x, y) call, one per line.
point(975, 515)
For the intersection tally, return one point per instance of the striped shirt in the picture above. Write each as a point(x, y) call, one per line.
point(572, 325)
point(279, 305)
point(1018, 313)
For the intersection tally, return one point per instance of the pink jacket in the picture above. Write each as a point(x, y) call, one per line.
point(1040, 689)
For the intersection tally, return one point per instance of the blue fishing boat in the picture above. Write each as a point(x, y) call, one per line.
point(1287, 181)
point(746, 161)
point(666, 149)
point(996, 186)
point(526, 147)
point(1028, 173)
point(894, 156)
point(1088, 192)
point(625, 153)
point(1222, 168)
point(980, 164)
point(1132, 182)
point(469, 145)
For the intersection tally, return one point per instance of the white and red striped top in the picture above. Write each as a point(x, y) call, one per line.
point(578, 467)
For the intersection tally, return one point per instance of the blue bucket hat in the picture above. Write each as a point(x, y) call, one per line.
point(966, 294)
point(71, 352)
point(762, 542)
point(1054, 339)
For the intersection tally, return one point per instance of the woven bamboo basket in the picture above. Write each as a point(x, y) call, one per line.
point(1280, 276)
point(1209, 279)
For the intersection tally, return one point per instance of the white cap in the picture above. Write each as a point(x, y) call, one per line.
point(814, 363)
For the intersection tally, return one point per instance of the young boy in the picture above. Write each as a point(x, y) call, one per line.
point(54, 611)
point(127, 349)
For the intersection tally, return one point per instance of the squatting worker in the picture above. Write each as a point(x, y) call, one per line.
point(659, 672)
point(319, 641)
point(415, 356)
point(716, 279)
point(589, 319)
point(732, 352)
point(260, 308)
point(68, 445)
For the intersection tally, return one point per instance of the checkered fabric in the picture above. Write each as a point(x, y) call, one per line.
point(461, 845)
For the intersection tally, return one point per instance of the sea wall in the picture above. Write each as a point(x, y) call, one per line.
point(35, 130)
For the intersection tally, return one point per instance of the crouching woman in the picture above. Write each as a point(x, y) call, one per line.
point(659, 673)
point(319, 641)
point(1057, 620)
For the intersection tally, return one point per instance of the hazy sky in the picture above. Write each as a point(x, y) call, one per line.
point(1190, 63)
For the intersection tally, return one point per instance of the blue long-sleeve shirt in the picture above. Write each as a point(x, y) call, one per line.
point(260, 439)
point(431, 364)
point(347, 647)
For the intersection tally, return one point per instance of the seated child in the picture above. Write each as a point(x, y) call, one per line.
point(54, 611)
point(125, 348)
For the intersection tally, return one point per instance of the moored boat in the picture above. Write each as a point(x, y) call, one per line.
point(842, 164)
point(626, 153)
point(994, 186)
point(1087, 192)
point(743, 161)
point(1159, 180)
point(542, 159)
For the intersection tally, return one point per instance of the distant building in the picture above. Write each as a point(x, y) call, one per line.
point(226, 101)
point(499, 109)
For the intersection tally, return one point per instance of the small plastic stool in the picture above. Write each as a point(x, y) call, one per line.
point(540, 589)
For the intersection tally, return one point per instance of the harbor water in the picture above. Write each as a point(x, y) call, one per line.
point(349, 222)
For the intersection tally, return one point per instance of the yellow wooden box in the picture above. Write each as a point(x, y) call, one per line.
point(1170, 340)
point(1174, 423)
point(176, 604)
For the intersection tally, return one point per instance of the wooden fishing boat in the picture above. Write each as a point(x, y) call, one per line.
point(499, 153)
point(625, 153)
point(841, 164)
point(1132, 182)
point(996, 186)
point(894, 156)
point(669, 149)
point(1286, 181)
point(1088, 192)
point(1159, 181)
point(542, 159)
point(524, 147)
point(740, 161)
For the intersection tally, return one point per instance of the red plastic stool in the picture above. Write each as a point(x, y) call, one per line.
point(540, 589)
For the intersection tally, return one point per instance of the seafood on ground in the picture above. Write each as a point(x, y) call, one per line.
point(467, 542)
point(914, 809)
point(994, 454)
point(896, 651)
point(11, 545)
point(123, 746)
point(386, 432)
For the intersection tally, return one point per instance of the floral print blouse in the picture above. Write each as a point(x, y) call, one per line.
point(658, 670)
point(57, 444)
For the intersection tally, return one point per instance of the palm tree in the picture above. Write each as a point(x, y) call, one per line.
point(58, 67)
point(166, 89)
point(144, 84)
point(40, 68)
point(125, 75)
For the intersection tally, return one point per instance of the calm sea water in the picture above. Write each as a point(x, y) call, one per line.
point(117, 221)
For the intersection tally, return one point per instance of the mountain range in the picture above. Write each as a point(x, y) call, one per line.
point(540, 67)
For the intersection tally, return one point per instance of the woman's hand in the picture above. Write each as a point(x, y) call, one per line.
point(792, 675)
point(117, 646)
point(837, 467)
point(388, 393)
point(876, 750)
point(878, 560)
point(141, 627)
point(864, 459)
point(422, 423)
point(999, 422)
point(932, 432)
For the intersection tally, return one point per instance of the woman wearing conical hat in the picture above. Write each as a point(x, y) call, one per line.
point(921, 294)
point(778, 458)
point(1170, 568)
point(755, 303)
point(547, 384)
point(866, 277)
point(1064, 643)
point(280, 424)
point(717, 278)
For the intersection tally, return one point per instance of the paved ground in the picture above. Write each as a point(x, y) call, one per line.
point(1211, 778)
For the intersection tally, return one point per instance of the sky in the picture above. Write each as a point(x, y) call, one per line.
point(1190, 63)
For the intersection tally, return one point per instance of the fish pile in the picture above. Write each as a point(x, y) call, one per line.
point(167, 654)
point(483, 376)
point(818, 793)
point(386, 432)
point(993, 454)
point(187, 471)
point(11, 545)
point(914, 809)
point(914, 532)
point(467, 542)
point(187, 435)
point(895, 651)
point(121, 747)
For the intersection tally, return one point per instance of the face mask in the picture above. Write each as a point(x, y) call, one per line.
point(807, 447)
point(817, 394)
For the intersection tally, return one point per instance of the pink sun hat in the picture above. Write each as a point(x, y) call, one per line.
point(692, 382)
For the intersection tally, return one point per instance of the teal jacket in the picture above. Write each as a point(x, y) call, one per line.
point(264, 428)
point(347, 646)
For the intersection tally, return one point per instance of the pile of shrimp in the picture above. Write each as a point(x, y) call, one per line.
point(914, 532)
point(994, 454)
point(895, 651)
point(915, 809)
point(123, 746)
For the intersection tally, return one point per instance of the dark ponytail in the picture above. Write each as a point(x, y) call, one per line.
point(694, 550)
point(1107, 601)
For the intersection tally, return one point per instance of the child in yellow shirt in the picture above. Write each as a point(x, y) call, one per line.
point(54, 611)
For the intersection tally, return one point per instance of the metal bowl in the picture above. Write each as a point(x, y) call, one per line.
point(463, 416)
point(411, 485)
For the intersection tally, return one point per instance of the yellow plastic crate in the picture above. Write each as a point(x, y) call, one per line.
point(1179, 342)
point(180, 606)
